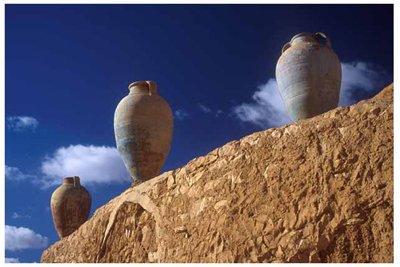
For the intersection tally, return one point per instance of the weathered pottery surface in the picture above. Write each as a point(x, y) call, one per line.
point(308, 74)
point(143, 125)
point(70, 206)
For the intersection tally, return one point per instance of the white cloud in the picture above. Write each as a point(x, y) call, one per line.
point(208, 110)
point(18, 238)
point(204, 108)
point(181, 114)
point(15, 216)
point(14, 174)
point(360, 76)
point(93, 164)
point(267, 109)
point(18, 216)
point(12, 260)
point(21, 123)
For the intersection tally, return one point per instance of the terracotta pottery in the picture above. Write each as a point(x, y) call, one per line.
point(70, 206)
point(308, 74)
point(143, 125)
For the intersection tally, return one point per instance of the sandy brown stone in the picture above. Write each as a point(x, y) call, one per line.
point(319, 190)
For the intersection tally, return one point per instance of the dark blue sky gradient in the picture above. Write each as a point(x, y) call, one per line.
point(68, 66)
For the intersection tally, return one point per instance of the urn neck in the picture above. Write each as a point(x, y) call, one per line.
point(303, 37)
point(74, 181)
point(143, 87)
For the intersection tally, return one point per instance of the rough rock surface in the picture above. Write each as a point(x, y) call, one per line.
point(319, 190)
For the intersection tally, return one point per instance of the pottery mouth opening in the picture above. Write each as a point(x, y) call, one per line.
point(69, 180)
point(301, 35)
point(74, 180)
point(143, 87)
point(138, 84)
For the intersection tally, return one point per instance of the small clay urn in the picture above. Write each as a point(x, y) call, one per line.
point(70, 206)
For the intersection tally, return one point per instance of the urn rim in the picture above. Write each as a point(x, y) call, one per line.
point(302, 34)
point(150, 86)
point(72, 180)
point(137, 83)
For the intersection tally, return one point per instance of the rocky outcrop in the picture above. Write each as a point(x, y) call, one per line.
point(319, 190)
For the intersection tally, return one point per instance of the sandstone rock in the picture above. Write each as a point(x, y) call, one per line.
point(319, 190)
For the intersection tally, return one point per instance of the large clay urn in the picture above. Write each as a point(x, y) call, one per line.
point(70, 206)
point(143, 125)
point(308, 74)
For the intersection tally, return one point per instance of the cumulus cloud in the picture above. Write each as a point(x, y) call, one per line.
point(14, 174)
point(181, 114)
point(267, 110)
point(18, 238)
point(93, 164)
point(21, 123)
point(12, 260)
point(360, 77)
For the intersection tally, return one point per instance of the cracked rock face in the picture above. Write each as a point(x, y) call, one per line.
point(319, 190)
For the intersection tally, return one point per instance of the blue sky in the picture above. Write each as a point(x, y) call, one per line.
point(68, 66)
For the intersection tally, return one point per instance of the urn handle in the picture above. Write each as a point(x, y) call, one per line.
point(152, 87)
point(77, 182)
point(286, 46)
point(320, 35)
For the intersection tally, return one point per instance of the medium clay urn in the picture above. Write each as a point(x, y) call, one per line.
point(309, 75)
point(70, 206)
point(143, 125)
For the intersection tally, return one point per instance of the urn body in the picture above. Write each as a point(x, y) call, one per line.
point(70, 206)
point(143, 125)
point(308, 75)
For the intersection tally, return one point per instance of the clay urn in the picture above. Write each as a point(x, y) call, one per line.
point(308, 74)
point(70, 206)
point(143, 125)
